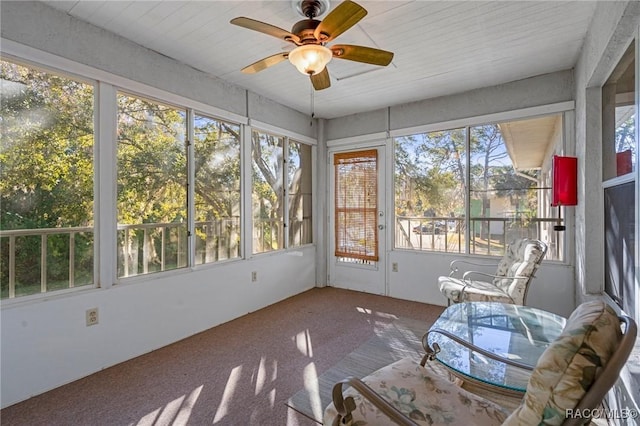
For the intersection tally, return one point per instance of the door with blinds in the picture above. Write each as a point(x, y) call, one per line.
point(357, 249)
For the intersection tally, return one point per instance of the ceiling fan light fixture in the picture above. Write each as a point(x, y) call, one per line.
point(310, 59)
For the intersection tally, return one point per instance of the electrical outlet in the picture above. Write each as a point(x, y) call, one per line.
point(394, 266)
point(92, 316)
point(254, 276)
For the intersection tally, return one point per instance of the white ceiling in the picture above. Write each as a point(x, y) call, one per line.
point(441, 47)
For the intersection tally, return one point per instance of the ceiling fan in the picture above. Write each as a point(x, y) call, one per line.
point(311, 55)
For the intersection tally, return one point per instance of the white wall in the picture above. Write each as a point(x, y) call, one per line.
point(45, 342)
point(417, 279)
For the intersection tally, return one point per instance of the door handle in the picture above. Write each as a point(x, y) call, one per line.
point(381, 227)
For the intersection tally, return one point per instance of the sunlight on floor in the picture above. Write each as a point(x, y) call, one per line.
point(312, 387)
point(378, 314)
point(261, 376)
point(303, 342)
point(227, 396)
point(176, 412)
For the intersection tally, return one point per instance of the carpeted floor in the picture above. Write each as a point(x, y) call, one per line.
point(243, 372)
point(398, 339)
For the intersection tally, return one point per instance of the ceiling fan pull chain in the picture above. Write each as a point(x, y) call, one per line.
point(313, 113)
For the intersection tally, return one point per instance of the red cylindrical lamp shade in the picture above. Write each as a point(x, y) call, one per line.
point(565, 181)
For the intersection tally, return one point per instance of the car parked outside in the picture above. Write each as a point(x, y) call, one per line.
point(435, 227)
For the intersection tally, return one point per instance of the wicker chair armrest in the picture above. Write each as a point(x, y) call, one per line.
point(344, 406)
point(454, 266)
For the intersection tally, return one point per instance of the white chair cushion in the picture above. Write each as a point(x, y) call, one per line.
point(519, 260)
point(477, 291)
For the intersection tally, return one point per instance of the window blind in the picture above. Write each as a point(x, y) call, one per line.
point(356, 204)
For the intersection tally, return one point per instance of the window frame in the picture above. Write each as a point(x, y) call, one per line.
point(610, 181)
point(191, 114)
point(12, 55)
point(567, 109)
point(287, 137)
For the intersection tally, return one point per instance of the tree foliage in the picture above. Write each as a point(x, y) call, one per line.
point(429, 173)
point(46, 160)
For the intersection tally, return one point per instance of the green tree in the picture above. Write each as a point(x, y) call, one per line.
point(47, 150)
point(429, 173)
point(46, 173)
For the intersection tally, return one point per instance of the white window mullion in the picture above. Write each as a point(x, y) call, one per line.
point(105, 184)
point(467, 194)
point(246, 208)
point(285, 191)
point(191, 206)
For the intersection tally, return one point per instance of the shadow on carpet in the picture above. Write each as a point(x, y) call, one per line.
point(400, 339)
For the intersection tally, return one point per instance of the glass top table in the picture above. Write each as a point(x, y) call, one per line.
point(516, 333)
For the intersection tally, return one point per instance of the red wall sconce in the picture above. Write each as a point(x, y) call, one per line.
point(565, 184)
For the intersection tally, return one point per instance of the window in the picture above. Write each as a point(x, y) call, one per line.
point(618, 122)
point(507, 167)
point(152, 187)
point(178, 202)
point(46, 160)
point(430, 174)
point(300, 202)
point(619, 159)
point(275, 180)
point(268, 192)
point(503, 199)
point(217, 190)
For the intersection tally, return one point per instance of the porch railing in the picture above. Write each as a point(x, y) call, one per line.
point(31, 259)
point(160, 246)
point(487, 235)
point(30, 239)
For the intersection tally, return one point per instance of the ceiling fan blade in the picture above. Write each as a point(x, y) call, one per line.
point(368, 55)
point(321, 80)
point(265, 63)
point(339, 20)
point(265, 28)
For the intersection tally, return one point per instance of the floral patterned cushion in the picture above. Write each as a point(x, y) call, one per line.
point(520, 260)
point(477, 291)
point(423, 395)
point(569, 365)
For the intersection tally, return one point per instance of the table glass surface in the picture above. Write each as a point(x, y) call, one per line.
point(520, 333)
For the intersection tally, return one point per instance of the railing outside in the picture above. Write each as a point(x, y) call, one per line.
point(41, 260)
point(157, 247)
point(217, 240)
point(487, 235)
point(39, 256)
